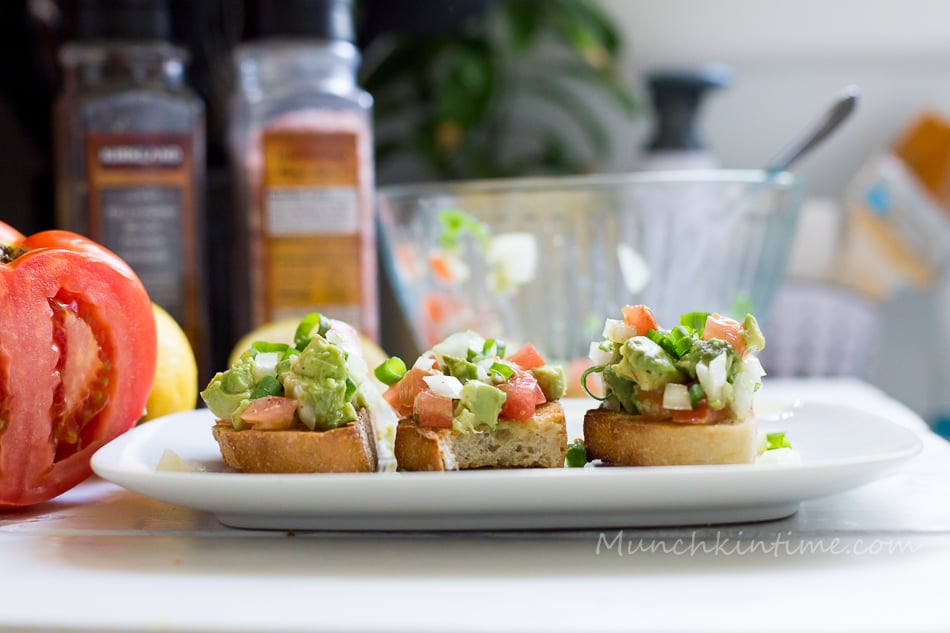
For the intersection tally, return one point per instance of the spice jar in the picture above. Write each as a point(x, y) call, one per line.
point(301, 144)
point(130, 152)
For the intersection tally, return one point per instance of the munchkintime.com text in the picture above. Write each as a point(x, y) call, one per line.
point(779, 545)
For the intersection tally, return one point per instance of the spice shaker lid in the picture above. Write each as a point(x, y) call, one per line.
point(123, 20)
point(677, 95)
point(318, 19)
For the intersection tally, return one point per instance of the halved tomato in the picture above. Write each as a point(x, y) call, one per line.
point(77, 359)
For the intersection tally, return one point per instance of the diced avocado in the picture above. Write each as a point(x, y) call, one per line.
point(460, 368)
point(647, 364)
point(752, 334)
point(552, 381)
point(227, 393)
point(480, 404)
point(704, 352)
point(318, 379)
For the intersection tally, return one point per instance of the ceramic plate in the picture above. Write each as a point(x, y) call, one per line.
point(841, 448)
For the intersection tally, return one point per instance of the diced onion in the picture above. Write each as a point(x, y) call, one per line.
point(676, 397)
point(598, 355)
point(264, 364)
point(745, 385)
point(446, 386)
point(712, 377)
point(425, 363)
point(617, 331)
point(633, 268)
point(779, 456)
point(458, 344)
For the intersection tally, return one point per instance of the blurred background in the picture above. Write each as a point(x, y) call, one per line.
point(472, 89)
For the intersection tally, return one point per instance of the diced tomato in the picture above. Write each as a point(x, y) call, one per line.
point(402, 395)
point(640, 318)
point(270, 413)
point(730, 330)
point(702, 414)
point(651, 405)
point(523, 395)
point(432, 409)
point(527, 357)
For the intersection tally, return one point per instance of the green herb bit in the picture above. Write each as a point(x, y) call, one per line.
point(391, 370)
point(596, 369)
point(497, 345)
point(268, 386)
point(777, 440)
point(263, 347)
point(576, 454)
point(696, 394)
point(505, 371)
point(456, 223)
point(304, 331)
point(696, 321)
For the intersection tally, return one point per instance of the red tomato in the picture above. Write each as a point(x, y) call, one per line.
point(270, 413)
point(527, 357)
point(702, 414)
point(523, 395)
point(640, 318)
point(726, 329)
point(432, 409)
point(401, 396)
point(77, 359)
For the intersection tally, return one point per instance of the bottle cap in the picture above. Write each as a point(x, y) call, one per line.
point(677, 94)
point(316, 19)
point(123, 20)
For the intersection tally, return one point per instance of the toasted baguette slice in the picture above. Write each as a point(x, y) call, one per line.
point(540, 442)
point(622, 439)
point(348, 449)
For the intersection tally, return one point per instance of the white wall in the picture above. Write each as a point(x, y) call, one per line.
point(789, 59)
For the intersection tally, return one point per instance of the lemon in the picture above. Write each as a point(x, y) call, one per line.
point(283, 330)
point(175, 387)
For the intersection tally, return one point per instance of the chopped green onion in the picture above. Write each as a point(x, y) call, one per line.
point(696, 394)
point(576, 455)
point(350, 390)
point(504, 370)
point(694, 320)
point(456, 223)
point(777, 440)
point(391, 370)
point(262, 347)
point(656, 336)
point(305, 329)
point(596, 369)
point(497, 344)
point(268, 386)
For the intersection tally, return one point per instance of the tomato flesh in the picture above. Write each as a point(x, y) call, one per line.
point(528, 357)
point(401, 396)
point(702, 414)
point(523, 394)
point(433, 410)
point(726, 329)
point(640, 318)
point(270, 413)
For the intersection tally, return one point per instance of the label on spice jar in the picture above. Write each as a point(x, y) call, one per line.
point(141, 207)
point(311, 220)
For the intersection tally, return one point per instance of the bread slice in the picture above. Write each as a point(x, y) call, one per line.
point(348, 449)
point(622, 439)
point(540, 442)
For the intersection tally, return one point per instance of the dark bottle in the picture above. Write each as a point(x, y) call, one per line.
point(130, 152)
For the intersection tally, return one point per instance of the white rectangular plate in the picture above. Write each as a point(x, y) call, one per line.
point(841, 448)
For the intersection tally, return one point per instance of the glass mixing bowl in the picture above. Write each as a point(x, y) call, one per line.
point(547, 260)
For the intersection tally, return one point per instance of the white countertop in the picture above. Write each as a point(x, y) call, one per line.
point(877, 558)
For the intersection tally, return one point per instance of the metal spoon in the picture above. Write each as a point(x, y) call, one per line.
point(817, 132)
